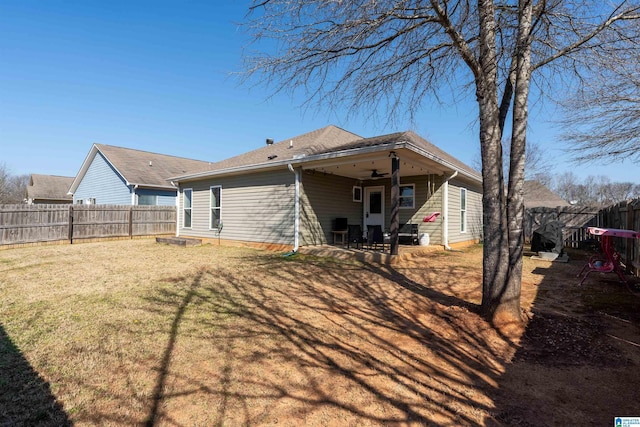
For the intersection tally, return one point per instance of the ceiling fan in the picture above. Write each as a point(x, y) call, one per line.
point(376, 174)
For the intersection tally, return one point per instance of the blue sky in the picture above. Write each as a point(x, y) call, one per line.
point(156, 76)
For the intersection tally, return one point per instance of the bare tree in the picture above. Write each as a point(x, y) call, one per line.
point(616, 192)
point(537, 164)
point(594, 190)
point(4, 183)
point(603, 119)
point(13, 188)
point(565, 185)
point(20, 184)
point(397, 54)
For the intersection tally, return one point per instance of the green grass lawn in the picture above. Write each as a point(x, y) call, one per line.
point(133, 332)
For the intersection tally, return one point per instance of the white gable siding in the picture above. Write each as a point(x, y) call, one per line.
point(104, 184)
point(474, 212)
point(255, 207)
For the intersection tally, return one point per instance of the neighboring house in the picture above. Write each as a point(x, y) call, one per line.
point(537, 195)
point(49, 189)
point(291, 192)
point(123, 176)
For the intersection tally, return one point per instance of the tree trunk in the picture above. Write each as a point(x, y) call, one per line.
point(509, 308)
point(496, 254)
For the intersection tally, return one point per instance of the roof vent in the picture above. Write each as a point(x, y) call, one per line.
point(150, 163)
point(291, 143)
point(269, 141)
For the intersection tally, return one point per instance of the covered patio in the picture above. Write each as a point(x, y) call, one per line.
point(401, 187)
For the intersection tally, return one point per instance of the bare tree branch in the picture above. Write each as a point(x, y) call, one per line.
point(389, 57)
point(602, 121)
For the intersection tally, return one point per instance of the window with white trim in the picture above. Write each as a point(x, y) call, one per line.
point(407, 196)
point(187, 203)
point(215, 206)
point(147, 199)
point(463, 210)
point(357, 193)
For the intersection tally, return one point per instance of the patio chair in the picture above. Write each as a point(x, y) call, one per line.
point(375, 237)
point(354, 235)
point(339, 230)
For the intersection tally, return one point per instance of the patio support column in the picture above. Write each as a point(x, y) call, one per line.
point(395, 202)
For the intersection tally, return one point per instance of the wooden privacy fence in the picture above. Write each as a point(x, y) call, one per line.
point(576, 219)
point(624, 215)
point(47, 223)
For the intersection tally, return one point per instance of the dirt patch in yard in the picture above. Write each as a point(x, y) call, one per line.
point(123, 333)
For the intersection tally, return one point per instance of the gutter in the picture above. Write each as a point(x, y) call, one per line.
point(133, 195)
point(287, 162)
point(445, 210)
point(326, 156)
point(154, 187)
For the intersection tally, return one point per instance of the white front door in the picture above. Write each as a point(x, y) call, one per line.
point(373, 207)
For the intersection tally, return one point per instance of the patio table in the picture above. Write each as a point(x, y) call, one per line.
point(608, 261)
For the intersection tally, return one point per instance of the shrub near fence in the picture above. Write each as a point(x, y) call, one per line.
point(47, 223)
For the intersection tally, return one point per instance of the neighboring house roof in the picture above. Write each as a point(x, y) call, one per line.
point(142, 168)
point(538, 195)
point(328, 142)
point(49, 187)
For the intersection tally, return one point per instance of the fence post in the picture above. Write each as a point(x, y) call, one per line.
point(131, 222)
point(71, 224)
point(628, 225)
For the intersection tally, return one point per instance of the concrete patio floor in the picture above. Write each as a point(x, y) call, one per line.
point(405, 252)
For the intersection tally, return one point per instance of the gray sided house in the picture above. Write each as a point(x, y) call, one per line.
point(123, 176)
point(290, 193)
point(49, 189)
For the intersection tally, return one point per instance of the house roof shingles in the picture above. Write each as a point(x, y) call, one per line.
point(320, 140)
point(328, 140)
point(411, 138)
point(49, 187)
point(537, 195)
point(149, 169)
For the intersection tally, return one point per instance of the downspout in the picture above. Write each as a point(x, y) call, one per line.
point(296, 209)
point(445, 211)
point(133, 195)
point(177, 209)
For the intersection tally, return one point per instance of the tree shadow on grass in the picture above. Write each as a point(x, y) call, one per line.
point(577, 363)
point(25, 397)
point(316, 341)
point(163, 370)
